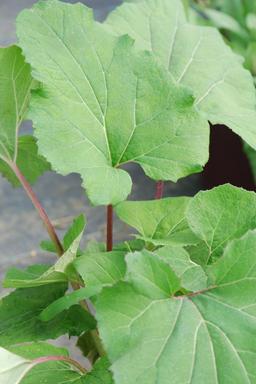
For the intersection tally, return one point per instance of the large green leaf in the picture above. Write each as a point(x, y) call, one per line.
point(220, 215)
point(158, 221)
point(19, 365)
point(20, 310)
point(61, 271)
point(204, 337)
point(105, 104)
point(15, 87)
point(196, 57)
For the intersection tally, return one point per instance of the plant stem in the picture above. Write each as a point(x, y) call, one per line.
point(159, 189)
point(53, 236)
point(109, 241)
point(47, 223)
point(46, 359)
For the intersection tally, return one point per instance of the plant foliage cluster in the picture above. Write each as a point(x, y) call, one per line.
point(178, 303)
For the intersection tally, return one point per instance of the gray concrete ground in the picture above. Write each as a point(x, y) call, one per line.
point(20, 228)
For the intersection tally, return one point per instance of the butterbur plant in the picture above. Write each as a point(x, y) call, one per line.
point(178, 303)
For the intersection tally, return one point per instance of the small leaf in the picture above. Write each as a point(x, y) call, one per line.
point(159, 221)
point(220, 215)
point(67, 301)
point(125, 107)
point(196, 57)
point(74, 231)
point(101, 269)
point(192, 276)
point(198, 338)
point(60, 272)
point(151, 275)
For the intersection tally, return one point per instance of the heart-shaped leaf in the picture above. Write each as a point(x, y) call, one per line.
point(196, 57)
point(203, 337)
point(103, 104)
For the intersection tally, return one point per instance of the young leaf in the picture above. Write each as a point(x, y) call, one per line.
point(204, 337)
point(67, 301)
point(16, 84)
point(105, 104)
point(60, 272)
point(101, 269)
point(19, 312)
point(159, 221)
point(74, 231)
point(29, 355)
point(220, 215)
point(192, 276)
point(196, 57)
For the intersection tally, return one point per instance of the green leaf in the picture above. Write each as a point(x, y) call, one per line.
point(67, 301)
point(53, 372)
point(20, 310)
point(192, 276)
point(16, 84)
point(29, 162)
point(124, 106)
point(100, 373)
point(196, 57)
point(101, 269)
point(220, 215)
point(158, 221)
point(74, 231)
point(60, 272)
point(204, 337)
point(152, 276)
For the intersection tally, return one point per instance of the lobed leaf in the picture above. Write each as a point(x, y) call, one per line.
point(196, 57)
point(198, 338)
point(105, 104)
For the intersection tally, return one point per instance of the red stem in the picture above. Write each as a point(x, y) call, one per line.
point(48, 225)
point(159, 189)
point(46, 359)
point(109, 242)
